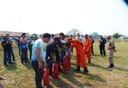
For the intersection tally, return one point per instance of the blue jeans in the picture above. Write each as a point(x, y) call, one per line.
point(7, 57)
point(24, 55)
point(12, 54)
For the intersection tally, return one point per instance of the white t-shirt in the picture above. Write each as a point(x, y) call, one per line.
point(39, 44)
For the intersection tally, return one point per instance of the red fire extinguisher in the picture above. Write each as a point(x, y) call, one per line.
point(69, 61)
point(56, 71)
point(64, 67)
point(46, 77)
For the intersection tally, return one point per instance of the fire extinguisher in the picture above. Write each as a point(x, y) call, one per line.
point(56, 71)
point(46, 77)
point(64, 67)
point(69, 61)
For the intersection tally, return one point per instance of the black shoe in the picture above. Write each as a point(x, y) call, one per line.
point(111, 66)
point(11, 63)
point(77, 69)
point(85, 71)
point(89, 61)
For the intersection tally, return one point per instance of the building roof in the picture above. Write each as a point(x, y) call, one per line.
point(3, 33)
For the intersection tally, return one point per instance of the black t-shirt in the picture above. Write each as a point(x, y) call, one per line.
point(52, 48)
point(6, 46)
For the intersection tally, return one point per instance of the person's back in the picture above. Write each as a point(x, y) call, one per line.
point(38, 44)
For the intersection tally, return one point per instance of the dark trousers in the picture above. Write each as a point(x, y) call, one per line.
point(102, 50)
point(12, 54)
point(19, 49)
point(24, 55)
point(7, 57)
point(92, 50)
point(30, 51)
point(49, 63)
point(58, 60)
point(38, 74)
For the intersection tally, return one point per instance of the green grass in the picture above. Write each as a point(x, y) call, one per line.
point(22, 76)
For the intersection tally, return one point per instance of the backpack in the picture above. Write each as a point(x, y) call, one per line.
point(104, 41)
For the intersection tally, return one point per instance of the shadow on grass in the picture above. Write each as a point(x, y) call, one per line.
point(11, 67)
point(28, 65)
point(99, 66)
point(121, 69)
point(70, 76)
point(59, 83)
point(95, 78)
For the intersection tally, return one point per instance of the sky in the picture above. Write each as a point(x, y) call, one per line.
point(53, 16)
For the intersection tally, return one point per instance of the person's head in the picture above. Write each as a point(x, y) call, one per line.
point(101, 37)
point(78, 35)
point(108, 38)
point(5, 38)
point(34, 36)
point(71, 36)
point(46, 37)
point(23, 35)
point(61, 35)
point(90, 36)
point(7, 34)
point(69, 40)
point(52, 35)
point(86, 36)
point(56, 40)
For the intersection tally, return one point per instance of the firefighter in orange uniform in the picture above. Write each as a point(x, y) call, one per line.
point(80, 55)
point(87, 47)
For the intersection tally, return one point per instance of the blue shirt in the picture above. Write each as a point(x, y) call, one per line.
point(39, 44)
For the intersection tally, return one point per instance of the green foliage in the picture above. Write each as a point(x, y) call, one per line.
point(116, 35)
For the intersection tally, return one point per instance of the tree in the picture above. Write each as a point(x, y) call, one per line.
point(116, 35)
point(95, 35)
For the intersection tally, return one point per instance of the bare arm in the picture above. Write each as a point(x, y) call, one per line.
point(37, 52)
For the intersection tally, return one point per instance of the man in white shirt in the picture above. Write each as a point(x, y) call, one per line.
point(38, 58)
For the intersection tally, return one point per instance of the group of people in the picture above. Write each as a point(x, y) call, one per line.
point(47, 49)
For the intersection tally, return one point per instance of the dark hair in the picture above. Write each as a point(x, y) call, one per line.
point(46, 35)
point(23, 34)
point(62, 34)
point(57, 39)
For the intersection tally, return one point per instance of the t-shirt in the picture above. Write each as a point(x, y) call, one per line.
point(23, 43)
point(39, 44)
point(6, 46)
point(50, 49)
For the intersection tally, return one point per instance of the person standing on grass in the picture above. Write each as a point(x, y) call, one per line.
point(111, 50)
point(11, 42)
point(87, 47)
point(80, 55)
point(19, 45)
point(7, 51)
point(39, 58)
point(102, 42)
point(30, 44)
point(51, 53)
point(92, 45)
point(24, 47)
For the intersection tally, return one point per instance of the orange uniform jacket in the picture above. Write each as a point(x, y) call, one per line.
point(80, 53)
